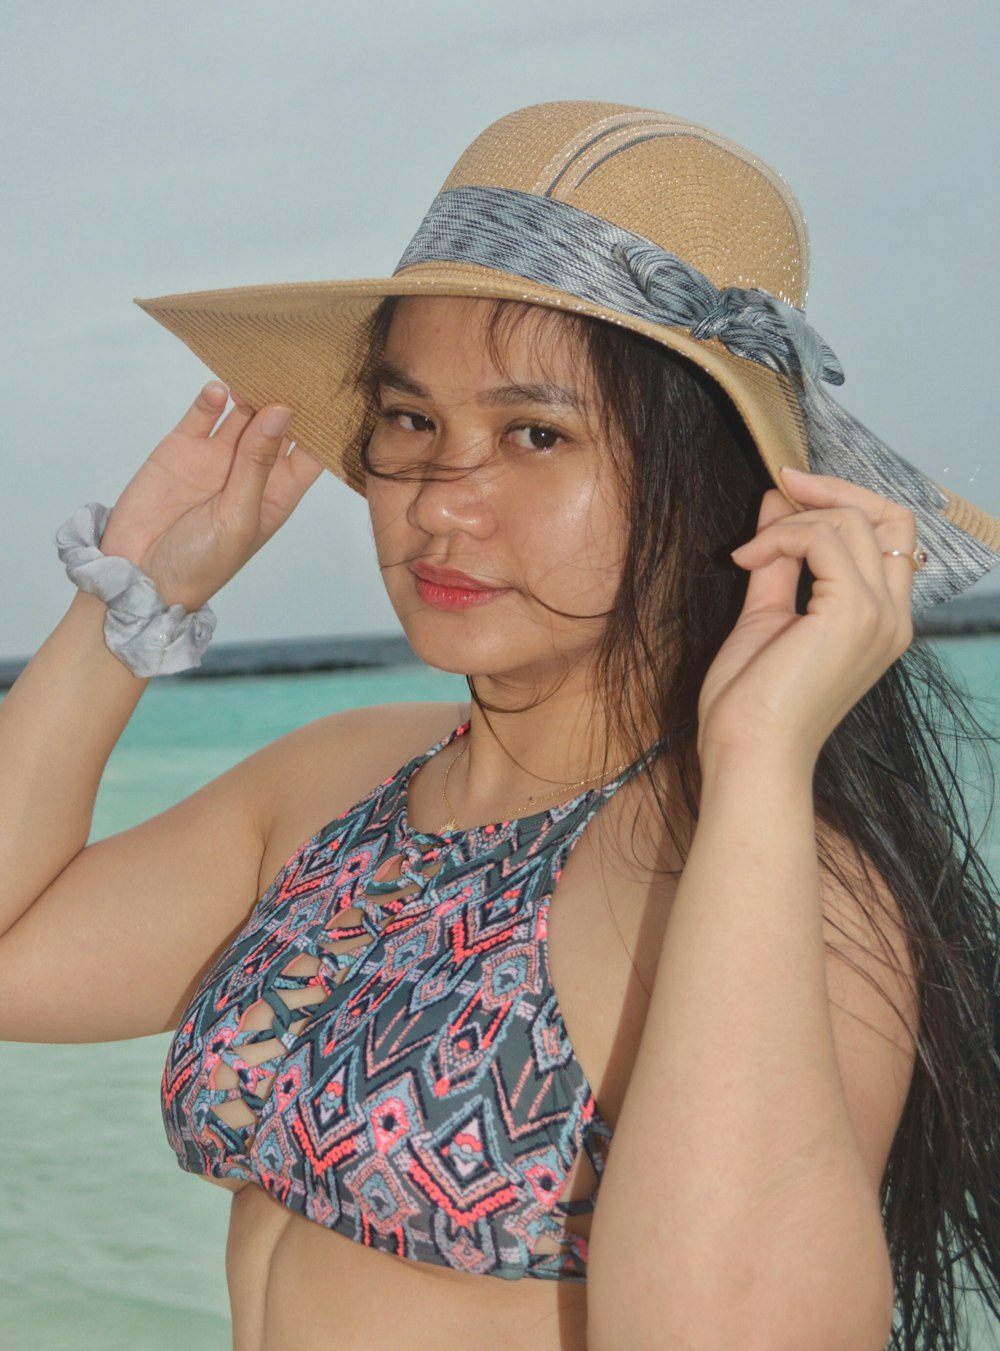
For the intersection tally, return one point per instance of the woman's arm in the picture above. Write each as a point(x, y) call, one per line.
point(740, 1205)
point(207, 498)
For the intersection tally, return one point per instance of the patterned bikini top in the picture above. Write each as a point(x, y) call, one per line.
point(381, 1048)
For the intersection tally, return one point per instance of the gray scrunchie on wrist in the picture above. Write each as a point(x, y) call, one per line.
point(146, 635)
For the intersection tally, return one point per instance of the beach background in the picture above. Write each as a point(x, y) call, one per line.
point(104, 1244)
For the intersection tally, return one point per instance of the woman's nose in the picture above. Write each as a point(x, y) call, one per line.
point(458, 494)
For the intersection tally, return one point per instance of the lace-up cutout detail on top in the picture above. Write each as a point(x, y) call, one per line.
point(381, 1048)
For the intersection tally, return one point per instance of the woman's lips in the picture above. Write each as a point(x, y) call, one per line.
point(445, 589)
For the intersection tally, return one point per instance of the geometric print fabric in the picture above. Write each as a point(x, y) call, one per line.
point(381, 1049)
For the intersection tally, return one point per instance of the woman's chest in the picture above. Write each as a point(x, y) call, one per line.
point(384, 1049)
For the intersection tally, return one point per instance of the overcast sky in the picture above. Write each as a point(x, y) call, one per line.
point(159, 147)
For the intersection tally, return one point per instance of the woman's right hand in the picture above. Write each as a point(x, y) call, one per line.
point(209, 496)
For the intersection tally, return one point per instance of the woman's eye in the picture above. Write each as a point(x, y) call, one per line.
point(533, 437)
point(408, 422)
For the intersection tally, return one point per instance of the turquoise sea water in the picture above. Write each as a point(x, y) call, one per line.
point(104, 1244)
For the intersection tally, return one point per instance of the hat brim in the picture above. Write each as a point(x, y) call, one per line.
point(304, 345)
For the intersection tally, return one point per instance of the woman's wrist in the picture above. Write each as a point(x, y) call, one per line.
point(758, 768)
point(140, 629)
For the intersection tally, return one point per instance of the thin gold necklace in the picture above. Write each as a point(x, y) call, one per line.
point(451, 822)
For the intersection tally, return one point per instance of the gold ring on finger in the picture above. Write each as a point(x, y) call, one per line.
point(917, 557)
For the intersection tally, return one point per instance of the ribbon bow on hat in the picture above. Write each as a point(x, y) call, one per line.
point(751, 323)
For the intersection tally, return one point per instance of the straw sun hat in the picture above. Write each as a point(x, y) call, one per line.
point(627, 215)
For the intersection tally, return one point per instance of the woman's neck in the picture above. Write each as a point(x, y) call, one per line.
point(522, 753)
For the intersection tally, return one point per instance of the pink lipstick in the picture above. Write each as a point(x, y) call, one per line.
point(446, 589)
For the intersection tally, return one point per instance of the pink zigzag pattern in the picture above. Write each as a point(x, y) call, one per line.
point(425, 1100)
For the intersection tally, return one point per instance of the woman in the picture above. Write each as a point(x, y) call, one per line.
point(684, 873)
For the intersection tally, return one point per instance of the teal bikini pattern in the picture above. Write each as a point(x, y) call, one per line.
point(417, 1092)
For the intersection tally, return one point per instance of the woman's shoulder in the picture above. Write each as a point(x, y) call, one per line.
point(317, 772)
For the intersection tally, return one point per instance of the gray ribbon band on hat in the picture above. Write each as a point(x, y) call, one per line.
point(570, 250)
point(558, 245)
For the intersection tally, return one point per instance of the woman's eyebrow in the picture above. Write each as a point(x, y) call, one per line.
point(387, 376)
point(551, 395)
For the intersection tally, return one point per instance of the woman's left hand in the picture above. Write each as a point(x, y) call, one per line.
point(783, 681)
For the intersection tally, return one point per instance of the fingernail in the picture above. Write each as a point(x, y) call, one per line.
point(215, 388)
point(275, 420)
point(239, 401)
point(790, 469)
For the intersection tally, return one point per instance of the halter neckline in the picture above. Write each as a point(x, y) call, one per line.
point(501, 829)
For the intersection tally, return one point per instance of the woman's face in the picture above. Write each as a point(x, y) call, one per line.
point(501, 538)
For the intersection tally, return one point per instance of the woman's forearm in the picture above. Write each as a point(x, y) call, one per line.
point(735, 1178)
point(58, 725)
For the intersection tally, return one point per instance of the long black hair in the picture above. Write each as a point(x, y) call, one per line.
point(890, 789)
